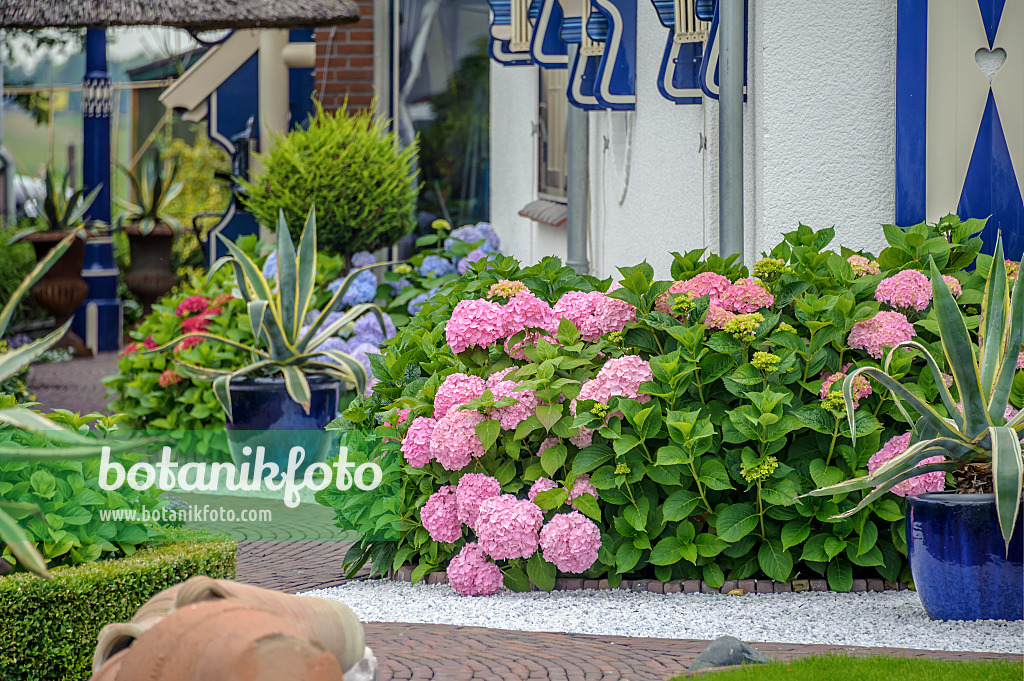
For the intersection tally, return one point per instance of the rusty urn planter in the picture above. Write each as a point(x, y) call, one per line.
point(61, 289)
point(151, 275)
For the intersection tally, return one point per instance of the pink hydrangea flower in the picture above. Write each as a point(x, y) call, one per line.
point(129, 349)
point(1008, 413)
point(507, 527)
point(191, 305)
point(906, 289)
point(580, 487)
point(717, 316)
point(746, 296)
point(149, 343)
point(928, 482)
point(570, 541)
point(593, 313)
point(512, 415)
point(1020, 361)
point(440, 515)
point(861, 385)
point(471, 574)
point(884, 330)
point(1012, 268)
point(475, 323)
point(169, 377)
point(548, 442)
point(527, 310)
point(583, 438)
point(454, 442)
point(506, 288)
point(953, 285)
point(416, 445)
point(456, 390)
point(472, 490)
point(708, 284)
point(623, 376)
point(862, 266)
point(195, 324)
point(542, 485)
point(661, 304)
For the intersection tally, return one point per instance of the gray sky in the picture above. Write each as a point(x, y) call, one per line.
point(126, 43)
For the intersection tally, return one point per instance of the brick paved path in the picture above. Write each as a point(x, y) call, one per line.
point(76, 385)
point(292, 566)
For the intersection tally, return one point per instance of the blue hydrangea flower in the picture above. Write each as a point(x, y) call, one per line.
point(487, 231)
point(363, 289)
point(363, 259)
point(468, 233)
point(270, 267)
point(399, 285)
point(367, 329)
point(361, 353)
point(436, 266)
point(474, 255)
point(334, 343)
point(417, 303)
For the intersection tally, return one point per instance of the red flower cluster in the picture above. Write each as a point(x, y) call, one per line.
point(203, 308)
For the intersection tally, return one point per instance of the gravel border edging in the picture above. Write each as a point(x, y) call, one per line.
point(745, 586)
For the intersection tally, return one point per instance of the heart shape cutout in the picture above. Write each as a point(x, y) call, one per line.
point(990, 61)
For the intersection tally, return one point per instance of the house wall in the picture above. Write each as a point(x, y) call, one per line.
point(819, 143)
point(344, 62)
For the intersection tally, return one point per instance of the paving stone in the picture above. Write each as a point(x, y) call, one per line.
point(674, 587)
point(439, 577)
point(591, 584)
point(560, 584)
point(748, 585)
point(892, 586)
point(782, 587)
point(573, 584)
point(859, 586)
point(706, 588)
point(603, 584)
point(730, 585)
point(801, 585)
point(404, 573)
point(819, 585)
point(765, 586)
point(691, 586)
point(626, 584)
point(876, 585)
point(656, 587)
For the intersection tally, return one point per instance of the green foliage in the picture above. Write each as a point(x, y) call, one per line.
point(49, 628)
point(350, 170)
point(16, 261)
point(155, 188)
point(63, 210)
point(704, 479)
point(869, 668)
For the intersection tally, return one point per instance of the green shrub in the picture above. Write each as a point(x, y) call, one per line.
point(349, 169)
point(16, 261)
point(48, 630)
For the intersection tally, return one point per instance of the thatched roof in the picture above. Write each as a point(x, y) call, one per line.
point(188, 14)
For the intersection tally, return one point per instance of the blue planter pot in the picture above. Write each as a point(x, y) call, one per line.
point(961, 568)
point(264, 415)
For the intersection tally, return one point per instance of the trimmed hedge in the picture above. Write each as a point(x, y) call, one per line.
point(48, 629)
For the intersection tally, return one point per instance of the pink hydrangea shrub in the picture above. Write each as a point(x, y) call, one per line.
point(456, 390)
point(906, 289)
point(416, 445)
point(527, 311)
point(861, 385)
point(542, 485)
point(512, 415)
point(928, 482)
point(475, 323)
point(580, 487)
point(708, 284)
point(440, 515)
point(593, 313)
point(471, 574)
point(623, 376)
point(1020, 360)
point(746, 296)
point(570, 541)
point(454, 442)
point(507, 527)
point(884, 330)
point(862, 266)
point(953, 285)
point(661, 304)
point(548, 442)
point(506, 288)
point(717, 316)
point(473, 488)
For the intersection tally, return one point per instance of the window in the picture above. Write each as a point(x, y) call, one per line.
point(554, 112)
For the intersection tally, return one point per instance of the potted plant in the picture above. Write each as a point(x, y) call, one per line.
point(151, 230)
point(965, 545)
point(293, 382)
point(61, 288)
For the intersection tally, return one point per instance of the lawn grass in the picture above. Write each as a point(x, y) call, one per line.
point(870, 668)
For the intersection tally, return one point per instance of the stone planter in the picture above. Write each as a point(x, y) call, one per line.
point(151, 275)
point(61, 289)
point(960, 564)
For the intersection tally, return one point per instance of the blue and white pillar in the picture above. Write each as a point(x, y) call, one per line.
point(98, 320)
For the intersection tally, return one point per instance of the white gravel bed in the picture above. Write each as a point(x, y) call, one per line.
point(892, 619)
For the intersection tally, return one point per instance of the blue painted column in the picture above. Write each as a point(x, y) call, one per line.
point(98, 320)
point(301, 83)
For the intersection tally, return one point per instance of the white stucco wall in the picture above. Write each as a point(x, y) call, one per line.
point(819, 143)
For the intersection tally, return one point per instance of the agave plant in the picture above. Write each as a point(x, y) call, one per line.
point(977, 430)
point(63, 210)
point(154, 191)
point(285, 344)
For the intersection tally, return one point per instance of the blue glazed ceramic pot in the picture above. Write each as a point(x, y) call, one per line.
point(958, 558)
point(264, 415)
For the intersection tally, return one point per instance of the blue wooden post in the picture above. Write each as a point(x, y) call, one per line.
point(301, 84)
point(98, 320)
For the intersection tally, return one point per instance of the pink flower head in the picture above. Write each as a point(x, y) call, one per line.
point(717, 316)
point(583, 438)
point(195, 324)
point(542, 485)
point(884, 330)
point(471, 574)
point(548, 442)
point(906, 289)
point(862, 266)
point(512, 415)
point(129, 349)
point(580, 487)
point(191, 305)
point(527, 311)
point(188, 343)
point(416, 445)
point(928, 482)
point(661, 304)
point(1012, 268)
point(506, 288)
point(454, 442)
point(456, 390)
point(623, 376)
point(472, 490)
point(169, 377)
point(708, 284)
point(149, 343)
point(507, 527)
point(1020, 361)
point(953, 285)
point(593, 313)
point(861, 385)
point(746, 296)
point(440, 515)
point(570, 541)
point(475, 323)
